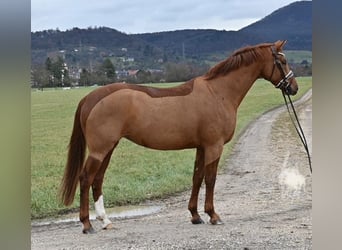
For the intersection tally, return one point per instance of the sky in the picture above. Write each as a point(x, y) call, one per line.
point(144, 16)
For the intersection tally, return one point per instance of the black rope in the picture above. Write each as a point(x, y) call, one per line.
point(298, 127)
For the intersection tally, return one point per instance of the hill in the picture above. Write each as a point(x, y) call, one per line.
point(84, 47)
point(292, 23)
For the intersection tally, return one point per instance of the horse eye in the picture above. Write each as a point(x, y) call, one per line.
point(283, 60)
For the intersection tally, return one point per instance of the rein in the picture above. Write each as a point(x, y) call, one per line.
point(297, 125)
point(284, 85)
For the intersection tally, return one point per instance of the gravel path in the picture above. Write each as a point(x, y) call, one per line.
point(263, 195)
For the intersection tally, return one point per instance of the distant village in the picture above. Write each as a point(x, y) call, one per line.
point(57, 72)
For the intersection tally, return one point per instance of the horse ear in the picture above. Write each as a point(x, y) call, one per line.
point(283, 43)
point(280, 44)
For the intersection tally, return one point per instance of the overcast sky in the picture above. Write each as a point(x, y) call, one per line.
point(133, 16)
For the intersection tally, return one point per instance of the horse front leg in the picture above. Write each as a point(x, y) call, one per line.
point(197, 180)
point(210, 173)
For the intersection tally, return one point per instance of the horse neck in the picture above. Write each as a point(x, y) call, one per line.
point(234, 86)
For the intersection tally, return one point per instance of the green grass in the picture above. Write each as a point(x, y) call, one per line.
point(135, 173)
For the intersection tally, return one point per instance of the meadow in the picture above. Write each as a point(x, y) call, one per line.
point(135, 173)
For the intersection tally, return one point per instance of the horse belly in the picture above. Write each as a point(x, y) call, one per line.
point(161, 140)
point(164, 126)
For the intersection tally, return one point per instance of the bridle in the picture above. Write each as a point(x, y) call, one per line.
point(284, 84)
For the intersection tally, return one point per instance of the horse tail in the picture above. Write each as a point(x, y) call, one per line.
point(76, 154)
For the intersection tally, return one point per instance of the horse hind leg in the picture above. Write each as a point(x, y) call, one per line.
point(98, 195)
point(87, 176)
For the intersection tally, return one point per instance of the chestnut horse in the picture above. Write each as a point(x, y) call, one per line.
point(200, 113)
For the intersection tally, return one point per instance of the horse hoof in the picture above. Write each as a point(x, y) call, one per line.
point(197, 221)
point(89, 231)
point(108, 226)
point(216, 222)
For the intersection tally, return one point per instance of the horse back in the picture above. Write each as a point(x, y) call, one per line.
point(98, 94)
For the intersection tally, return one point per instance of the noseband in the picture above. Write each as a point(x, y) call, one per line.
point(284, 84)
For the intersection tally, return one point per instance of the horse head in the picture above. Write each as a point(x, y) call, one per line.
point(278, 72)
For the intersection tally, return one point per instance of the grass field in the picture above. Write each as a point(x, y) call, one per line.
point(135, 173)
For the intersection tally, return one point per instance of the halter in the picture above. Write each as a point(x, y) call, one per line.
point(284, 84)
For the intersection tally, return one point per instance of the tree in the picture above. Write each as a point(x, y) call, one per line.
point(40, 77)
point(108, 69)
point(99, 77)
point(58, 72)
point(85, 77)
point(143, 76)
point(175, 72)
point(48, 64)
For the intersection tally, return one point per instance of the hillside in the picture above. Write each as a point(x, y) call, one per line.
point(82, 47)
point(292, 23)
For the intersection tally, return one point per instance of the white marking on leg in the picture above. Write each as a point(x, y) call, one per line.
point(99, 207)
point(101, 213)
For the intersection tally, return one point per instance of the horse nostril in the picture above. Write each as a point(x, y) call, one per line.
point(290, 90)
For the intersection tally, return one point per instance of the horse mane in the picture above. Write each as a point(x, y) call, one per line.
point(241, 57)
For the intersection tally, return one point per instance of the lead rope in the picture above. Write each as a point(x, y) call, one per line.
point(298, 127)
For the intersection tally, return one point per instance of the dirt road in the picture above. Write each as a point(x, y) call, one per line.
point(263, 196)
